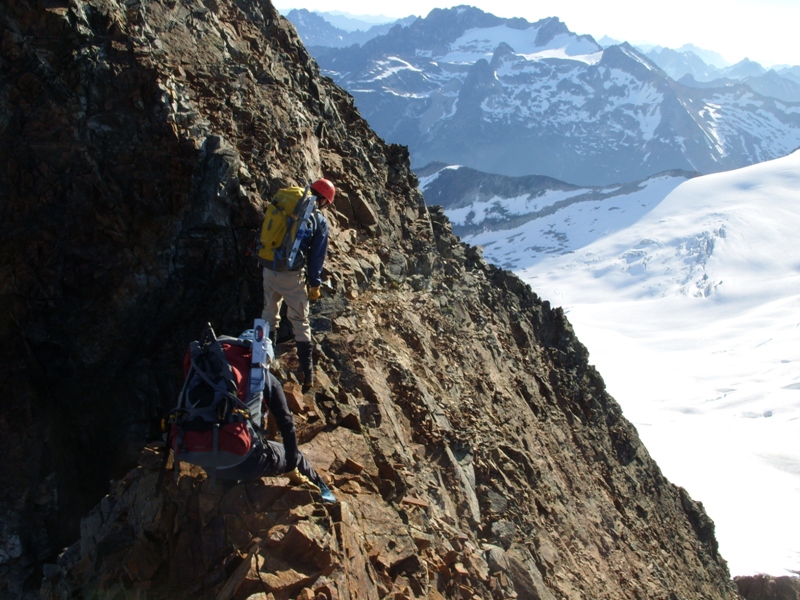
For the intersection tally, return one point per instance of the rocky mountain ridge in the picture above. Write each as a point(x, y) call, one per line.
point(316, 31)
point(506, 96)
point(689, 69)
point(473, 447)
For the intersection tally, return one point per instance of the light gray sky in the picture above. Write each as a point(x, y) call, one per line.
point(762, 30)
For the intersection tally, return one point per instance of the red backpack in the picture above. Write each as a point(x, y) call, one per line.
point(211, 425)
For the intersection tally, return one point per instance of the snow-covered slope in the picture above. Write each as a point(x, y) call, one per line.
point(521, 230)
point(687, 295)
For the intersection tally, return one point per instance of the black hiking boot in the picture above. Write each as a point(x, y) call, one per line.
point(304, 350)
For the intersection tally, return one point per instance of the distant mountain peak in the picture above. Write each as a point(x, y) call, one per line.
point(463, 86)
point(323, 29)
point(548, 29)
point(708, 56)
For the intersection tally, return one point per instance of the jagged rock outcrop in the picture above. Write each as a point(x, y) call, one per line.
point(474, 448)
point(765, 587)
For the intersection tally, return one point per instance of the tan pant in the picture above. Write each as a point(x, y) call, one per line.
point(288, 286)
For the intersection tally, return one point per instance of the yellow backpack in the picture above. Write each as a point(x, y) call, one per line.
point(279, 240)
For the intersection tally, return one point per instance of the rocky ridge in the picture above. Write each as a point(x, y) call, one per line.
point(316, 31)
point(473, 447)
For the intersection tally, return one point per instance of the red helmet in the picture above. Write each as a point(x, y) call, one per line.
point(325, 191)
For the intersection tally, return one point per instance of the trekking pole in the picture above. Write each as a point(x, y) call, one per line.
point(304, 216)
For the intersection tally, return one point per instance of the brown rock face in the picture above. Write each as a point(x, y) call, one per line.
point(474, 448)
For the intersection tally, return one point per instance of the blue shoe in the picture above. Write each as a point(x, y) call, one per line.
point(327, 494)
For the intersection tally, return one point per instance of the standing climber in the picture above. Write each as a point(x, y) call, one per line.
point(293, 246)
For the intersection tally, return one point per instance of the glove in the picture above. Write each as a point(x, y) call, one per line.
point(313, 293)
point(296, 477)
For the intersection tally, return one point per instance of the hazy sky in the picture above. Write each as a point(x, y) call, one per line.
point(762, 30)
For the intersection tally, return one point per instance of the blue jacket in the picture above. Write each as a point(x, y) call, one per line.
point(313, 248)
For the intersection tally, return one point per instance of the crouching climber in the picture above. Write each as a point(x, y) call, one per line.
point(218, 421)
point(271, 459)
